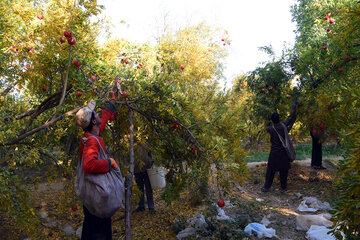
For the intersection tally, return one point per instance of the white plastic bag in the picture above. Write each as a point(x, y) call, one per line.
point(198, 222)
point(304, 222)
point(313, 202)
point(265, 221)
point(187, 232)
point(260, 230)
point(221, 215)
point(304, 208)
point(320, 233)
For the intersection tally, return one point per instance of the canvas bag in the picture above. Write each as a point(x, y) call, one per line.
point(287, 144)
point(101, 193)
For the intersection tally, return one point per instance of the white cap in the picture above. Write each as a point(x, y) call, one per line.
point(83, 116)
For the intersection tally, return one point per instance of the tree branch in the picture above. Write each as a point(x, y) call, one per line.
point(35, 130)
point(49, 156)
point(90, 82)
point(198, 123)
point(66, 78)
point(7, 90)
point(192, 136)
point(149, 118)
point(61, 74)
point(50, 102)
point(20, 116)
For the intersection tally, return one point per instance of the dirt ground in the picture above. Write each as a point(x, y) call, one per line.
point(281, 208)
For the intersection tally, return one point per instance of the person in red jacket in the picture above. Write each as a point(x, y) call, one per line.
point(95, 228)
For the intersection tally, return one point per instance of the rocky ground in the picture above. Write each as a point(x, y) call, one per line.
point(282, 208)
point(248, 204)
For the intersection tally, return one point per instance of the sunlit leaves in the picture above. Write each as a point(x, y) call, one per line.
point(330, 84)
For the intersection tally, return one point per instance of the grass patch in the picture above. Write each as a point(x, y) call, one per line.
point(303, 151)
point(257, 157)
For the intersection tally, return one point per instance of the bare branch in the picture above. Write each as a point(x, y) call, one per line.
point(61, 74)
point(20, 116)
point(192, 136)
point(46, 104)
point(49, 156)
point(198, 123)
point(7, 90)
point(66, 78)
point(50, 102)
point(90, 82)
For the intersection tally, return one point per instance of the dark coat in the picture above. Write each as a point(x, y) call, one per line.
point(143, 158)
point(278, 158)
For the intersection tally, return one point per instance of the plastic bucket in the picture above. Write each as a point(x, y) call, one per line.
point(157, 177)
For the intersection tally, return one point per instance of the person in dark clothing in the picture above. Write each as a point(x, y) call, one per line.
point(278, 159)
point(143, 161)
point(316, 153)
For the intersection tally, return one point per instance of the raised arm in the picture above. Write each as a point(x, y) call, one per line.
point(268, 124)
point(108, 113)
point(289, 122)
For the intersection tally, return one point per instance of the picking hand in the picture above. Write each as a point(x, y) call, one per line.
point(113, 164)
point(113, 97)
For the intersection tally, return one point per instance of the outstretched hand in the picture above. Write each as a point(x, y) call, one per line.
point(112, 94)
point(113, 164)
point(116, 90)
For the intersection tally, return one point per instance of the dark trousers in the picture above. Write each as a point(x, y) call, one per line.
point(142, 180)
point(95, 228)
point(269, 178)
point(316, 153)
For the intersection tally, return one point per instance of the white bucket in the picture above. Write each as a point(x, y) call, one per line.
point(157, 177)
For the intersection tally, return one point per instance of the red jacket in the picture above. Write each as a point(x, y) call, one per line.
point(90, 162)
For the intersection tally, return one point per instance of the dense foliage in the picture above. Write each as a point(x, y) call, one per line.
point(197, 131)
point(171, 86)
point(326, 61)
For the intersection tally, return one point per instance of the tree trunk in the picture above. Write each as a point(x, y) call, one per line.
point(70, 140)
point(316, 153)
point(129, 180)
point(69, 143)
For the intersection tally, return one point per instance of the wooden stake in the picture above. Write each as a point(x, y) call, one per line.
point(129, 180)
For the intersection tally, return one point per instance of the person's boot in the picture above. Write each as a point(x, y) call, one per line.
point(319, 167)
point(263, 189)
point(140, 209)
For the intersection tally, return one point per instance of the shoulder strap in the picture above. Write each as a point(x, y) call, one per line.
point(283, 142)
point(286, 134)
point(85, 140)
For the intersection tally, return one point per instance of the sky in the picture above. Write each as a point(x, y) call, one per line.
point(250, 25)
